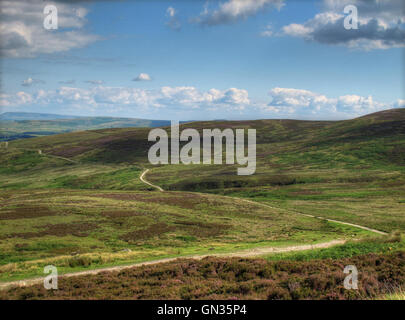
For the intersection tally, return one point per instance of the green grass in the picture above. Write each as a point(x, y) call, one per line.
point(400, 295)
point(70, 213)
point(376, 205)
point(347, 250)
point(41, 227)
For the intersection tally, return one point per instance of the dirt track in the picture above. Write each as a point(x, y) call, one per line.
point(321, 218)
point(147, 182)
point(276, 208)
point(244, 254)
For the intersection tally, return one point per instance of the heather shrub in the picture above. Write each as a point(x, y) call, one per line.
point(80, 261)
point(230, 278)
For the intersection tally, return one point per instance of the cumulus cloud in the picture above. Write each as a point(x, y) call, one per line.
point(297, 30)
point(173, 22)
point(29, 82)
point(381, 25)
point(23, 35)
point(235, 10)
point(190, 102)
point(142, 77)
point(304, 102)
point(17, 99)
point(183, 98)
point(193, 98)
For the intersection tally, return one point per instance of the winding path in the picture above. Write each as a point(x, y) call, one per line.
point(58, 157)
point(244, 254)
point(315, 217)
point(147, 182)
point(46, 154)
point(277, 208)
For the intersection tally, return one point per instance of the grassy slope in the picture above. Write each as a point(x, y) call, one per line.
point(348, 170)
point(288, 152)
point(48, 226)
point(351, 170)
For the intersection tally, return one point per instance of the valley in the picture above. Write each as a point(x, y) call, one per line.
point(91, 200)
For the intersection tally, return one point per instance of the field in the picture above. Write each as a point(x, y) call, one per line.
point(27, 125)
point(75, 229)
point(79, 204)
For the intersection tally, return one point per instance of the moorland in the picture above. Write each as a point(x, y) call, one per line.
point(76, 200)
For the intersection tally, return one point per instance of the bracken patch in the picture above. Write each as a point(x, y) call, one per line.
point(24, 212)
point(186, 201)
point(59, 230)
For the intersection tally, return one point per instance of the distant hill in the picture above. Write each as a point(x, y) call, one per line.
point(289, 152)
point(273, 136)
point(33, 116)
point(19, 125)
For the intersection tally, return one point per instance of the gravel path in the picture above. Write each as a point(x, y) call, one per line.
point(244, 253)
point(147, 182)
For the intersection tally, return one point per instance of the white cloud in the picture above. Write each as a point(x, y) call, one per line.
point(17, 99)
point(23, 34)
point(234, 10)
point(29, 82)
point(400, 103)
point(297, 30)
point(112, 97)
point(171, 12)
point(190, 102)
point(173, 22)
point(380, 25)
point(235, 97)
point(307, 103)
point(142, 77)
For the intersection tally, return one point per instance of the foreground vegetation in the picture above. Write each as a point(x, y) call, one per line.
point(83, 229)
point(232, 278)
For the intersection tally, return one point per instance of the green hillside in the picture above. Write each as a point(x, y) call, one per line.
point(288, 152)
point(81, 195)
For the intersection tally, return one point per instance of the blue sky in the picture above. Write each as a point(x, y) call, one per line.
point(235, 59)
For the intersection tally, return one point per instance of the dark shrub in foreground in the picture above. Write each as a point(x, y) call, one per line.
point(232, 278)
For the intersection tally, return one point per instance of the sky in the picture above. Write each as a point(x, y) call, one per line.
point(203, 60)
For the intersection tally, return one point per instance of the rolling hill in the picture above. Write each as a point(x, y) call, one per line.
point(283, 146)
point(80, 203)
point(19, 125)
point(14, 116)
